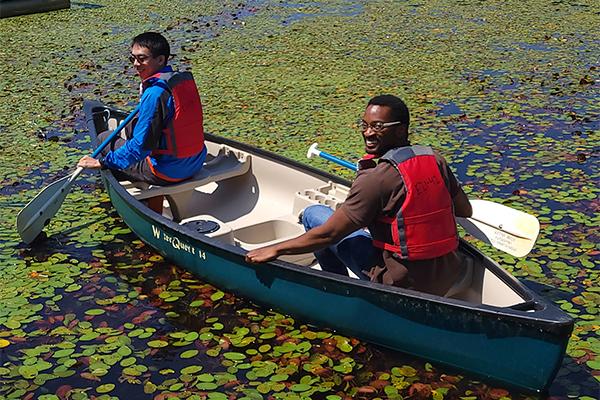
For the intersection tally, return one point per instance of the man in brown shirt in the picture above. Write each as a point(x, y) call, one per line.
point(387, 253)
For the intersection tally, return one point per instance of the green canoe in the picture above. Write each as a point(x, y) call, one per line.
point(12, 8)
point(496, 328)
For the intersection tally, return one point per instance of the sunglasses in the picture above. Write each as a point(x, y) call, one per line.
point(140, 59)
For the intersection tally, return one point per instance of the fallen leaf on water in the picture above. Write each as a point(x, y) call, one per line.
point(90, 376)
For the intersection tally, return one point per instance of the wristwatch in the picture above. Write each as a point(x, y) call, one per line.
point(102, 164)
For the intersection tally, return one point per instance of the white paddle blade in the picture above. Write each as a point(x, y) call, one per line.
point(505, 228)
point(32, 219)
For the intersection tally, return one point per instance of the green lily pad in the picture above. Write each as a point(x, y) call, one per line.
point(157, 343)
point(95, 311)
point(189, 354)
point(105, 388)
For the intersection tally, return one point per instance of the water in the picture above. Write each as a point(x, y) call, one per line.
point(91, 306)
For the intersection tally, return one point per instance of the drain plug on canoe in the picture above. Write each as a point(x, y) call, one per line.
point(203, 226)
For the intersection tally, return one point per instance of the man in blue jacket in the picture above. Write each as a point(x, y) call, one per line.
point(166, 143)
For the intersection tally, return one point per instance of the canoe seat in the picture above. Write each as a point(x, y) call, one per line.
point(228, 163)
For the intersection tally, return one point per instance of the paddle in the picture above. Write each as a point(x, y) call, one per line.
point(313, 151)
point(505, 228)
point(38, 212)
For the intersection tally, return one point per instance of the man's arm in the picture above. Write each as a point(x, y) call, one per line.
point(134, 150)
point(149, 125)
point(462, 206)
point(333, 230)
point(460, 201)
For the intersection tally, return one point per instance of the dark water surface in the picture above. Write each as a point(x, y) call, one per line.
point(507, 90)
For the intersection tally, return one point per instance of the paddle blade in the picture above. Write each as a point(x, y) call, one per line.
point(32, 219)
point(38, 212)
point(505, 228)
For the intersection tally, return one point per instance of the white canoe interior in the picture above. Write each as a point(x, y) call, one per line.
point(256, 202)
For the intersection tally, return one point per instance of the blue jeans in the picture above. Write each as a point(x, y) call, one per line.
point(355, 251)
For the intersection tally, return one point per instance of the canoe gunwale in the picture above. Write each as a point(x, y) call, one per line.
point(545, 315)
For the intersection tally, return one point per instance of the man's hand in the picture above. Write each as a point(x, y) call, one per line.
point(334, 229)
point(262, 255)
point(89, 162)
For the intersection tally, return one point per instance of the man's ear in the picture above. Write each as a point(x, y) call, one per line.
point(402, 133)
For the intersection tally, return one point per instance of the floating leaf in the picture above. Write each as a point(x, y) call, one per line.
point(279, 377)
point(126, 362)
point(157, 343)
point(206, 336)
point(213, 352)
point(217, 396)
point(234, 356)
point(189, 354)
point(206, 378)
point(300, 387)
point(63, 353)
point(89, 336)
point(95, 311)
point(149, 387)
point(264, 348)
point(344, 345)
point(108, 387)
point(192, 369)
point(28, 371)
point(593, 364)
point(206, 386)
point(218, 295)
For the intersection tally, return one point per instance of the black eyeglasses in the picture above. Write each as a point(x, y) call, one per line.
point(141, 59)
point(376, 126)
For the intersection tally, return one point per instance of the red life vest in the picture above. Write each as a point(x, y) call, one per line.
point(184, 134)
point(424, 227)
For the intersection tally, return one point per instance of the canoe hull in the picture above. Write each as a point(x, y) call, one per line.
point(12, 8)
point(517, 348)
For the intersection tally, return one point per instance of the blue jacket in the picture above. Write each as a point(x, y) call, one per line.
point(147, 135)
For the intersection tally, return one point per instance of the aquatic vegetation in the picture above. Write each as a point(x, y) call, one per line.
point(508, 91)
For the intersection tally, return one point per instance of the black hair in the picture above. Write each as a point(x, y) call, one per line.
point(399, 109)
point(155, 42)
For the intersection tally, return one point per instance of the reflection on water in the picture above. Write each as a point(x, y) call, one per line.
point(448, 109)
point(86, 6)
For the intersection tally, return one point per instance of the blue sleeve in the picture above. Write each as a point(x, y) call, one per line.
point(133, 150)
